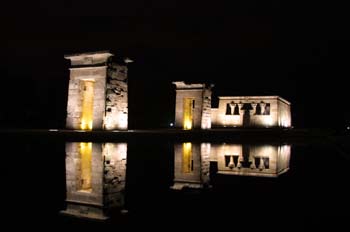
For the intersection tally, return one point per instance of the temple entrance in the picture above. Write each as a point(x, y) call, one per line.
point(85, 167)
point(188, 113)
point(87, 104)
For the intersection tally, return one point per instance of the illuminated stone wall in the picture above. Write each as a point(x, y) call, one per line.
point(107, 174)
point(191, 165)
point(251, 160)
point(284, 114)
point(214, 117)
point(201, 95)
point(206, 109)
point(117, 98)
point(257, 111)
point(110, 92)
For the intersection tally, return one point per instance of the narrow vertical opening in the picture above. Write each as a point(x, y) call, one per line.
point(236, 110)
point(267, 109)
point(258, 109)
point(85, 167)
point(187, 161)
point(87, 104)
point(188, 113)
point(228, 109)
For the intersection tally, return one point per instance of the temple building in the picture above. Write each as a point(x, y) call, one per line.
point(193, 109)
point(95, 179)
point(98, 92)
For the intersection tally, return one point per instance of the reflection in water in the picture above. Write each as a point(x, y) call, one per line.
point(84, 182)
point(192, 162)
point(191, 165)
point(187, 159)
point(95, 178)
point(95, 172)
point(251, 160)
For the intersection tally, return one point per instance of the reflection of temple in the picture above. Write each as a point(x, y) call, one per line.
point(191, 165)
point(192, 161)
point(251, 160)
point(95, 178)
point(98, 92)
point(193, 109)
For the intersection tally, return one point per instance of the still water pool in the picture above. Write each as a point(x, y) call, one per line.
point(227, 185)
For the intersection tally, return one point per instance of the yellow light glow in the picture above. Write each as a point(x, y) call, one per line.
point(188, 113)
point(87, 104)
point(187, 157)
point(86, 157)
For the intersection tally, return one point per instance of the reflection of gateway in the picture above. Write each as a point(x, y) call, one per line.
point(95, 178)
point(251, 160)
point(192, 162)
point(191, 165)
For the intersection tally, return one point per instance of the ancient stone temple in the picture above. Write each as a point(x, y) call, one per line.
point(98, 92)
point(193, 105)
point(193, 109)
point(95, 179)
point(252, 111)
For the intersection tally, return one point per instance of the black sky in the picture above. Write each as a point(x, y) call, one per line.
point(297, 49)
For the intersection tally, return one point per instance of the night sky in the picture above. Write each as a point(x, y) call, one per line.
point(298, 50)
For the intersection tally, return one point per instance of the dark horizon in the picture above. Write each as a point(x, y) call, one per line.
point(243, 49)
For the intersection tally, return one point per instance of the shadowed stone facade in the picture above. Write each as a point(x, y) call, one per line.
point(99, 85)
point(95, 178)
point(240, 111)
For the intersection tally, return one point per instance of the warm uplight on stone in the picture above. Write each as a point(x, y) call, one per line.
point(252, 111)
point(193, 103)
point(193, 109)
point(98, 93)
point(87, 105)
point(188, 113)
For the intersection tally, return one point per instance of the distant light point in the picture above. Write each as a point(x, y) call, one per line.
point(171, 124)
point(128, 60)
